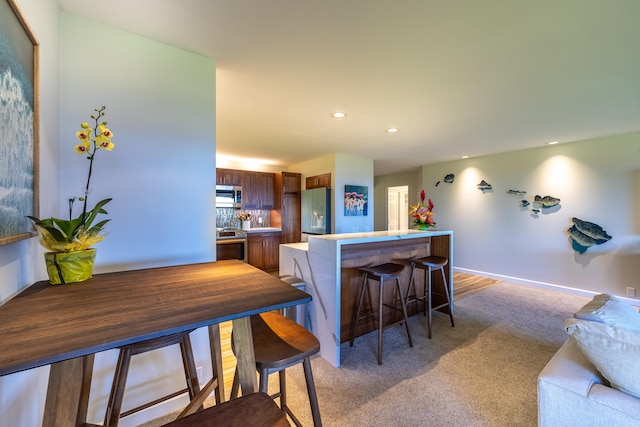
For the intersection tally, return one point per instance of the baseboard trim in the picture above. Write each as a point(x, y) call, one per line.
point(543, 285)
point(528, 282)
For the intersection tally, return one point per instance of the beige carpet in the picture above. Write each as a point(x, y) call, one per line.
point(480, 373)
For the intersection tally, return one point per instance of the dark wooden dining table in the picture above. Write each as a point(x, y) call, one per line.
point(65, 325)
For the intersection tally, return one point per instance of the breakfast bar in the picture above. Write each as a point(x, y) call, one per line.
point(328, 266)
point(65, 325)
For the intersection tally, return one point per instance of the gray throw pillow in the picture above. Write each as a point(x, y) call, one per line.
point(613, 351)
point(612, 311)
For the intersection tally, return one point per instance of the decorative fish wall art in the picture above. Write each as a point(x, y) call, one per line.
point(539, 203)
point(449, 178)
point(484, 186)
point(585, 234)
point(547, 201)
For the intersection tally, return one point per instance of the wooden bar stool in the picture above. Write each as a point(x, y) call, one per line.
point(114, 405)
point(252, 410)
point(280, 343)
point(429, 264)
point(380, 273)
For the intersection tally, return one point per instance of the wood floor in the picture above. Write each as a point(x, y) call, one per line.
point(465, 284)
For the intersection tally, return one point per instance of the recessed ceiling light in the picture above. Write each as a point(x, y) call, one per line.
point(464, 157)
point(391, 130)
point(339, 115)
point(553, 142)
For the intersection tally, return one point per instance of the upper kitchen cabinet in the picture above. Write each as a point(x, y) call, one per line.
point(288, 199)
point(228, 177)
point(258, 190)
point(291, 182)
point(318, 181)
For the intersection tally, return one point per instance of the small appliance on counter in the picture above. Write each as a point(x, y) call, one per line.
point(316, 211)
point(231, 243)
point(228, 196)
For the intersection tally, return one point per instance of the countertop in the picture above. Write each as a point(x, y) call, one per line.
point(263, 230)
point(377, 236)
point(366, 237)
point(302, 246)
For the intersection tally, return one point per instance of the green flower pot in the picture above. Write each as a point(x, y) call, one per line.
point(69, 267)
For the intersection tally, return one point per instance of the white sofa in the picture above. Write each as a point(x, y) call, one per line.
point(572, 393)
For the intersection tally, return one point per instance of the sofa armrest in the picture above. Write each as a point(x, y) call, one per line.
point(572, 392)
point(570, 369)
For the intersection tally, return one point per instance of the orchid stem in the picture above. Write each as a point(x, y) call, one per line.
point(93, 153)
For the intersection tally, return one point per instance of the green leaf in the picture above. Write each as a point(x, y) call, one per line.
point(94, 212)
point(65, 231)
point(68, 228)
point(98, 227)
point(57, 235)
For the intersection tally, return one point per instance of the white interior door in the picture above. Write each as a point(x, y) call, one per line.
point(392, 216)
point(398, 208)
point(403, 208)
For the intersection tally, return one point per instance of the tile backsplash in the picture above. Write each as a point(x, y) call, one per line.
point(226, 217)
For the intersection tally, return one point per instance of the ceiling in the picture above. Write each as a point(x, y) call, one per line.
point(456, 77)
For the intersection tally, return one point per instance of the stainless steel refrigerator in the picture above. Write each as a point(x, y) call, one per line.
point(316, 211)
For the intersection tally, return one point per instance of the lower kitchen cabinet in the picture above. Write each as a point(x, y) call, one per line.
point(264, 250)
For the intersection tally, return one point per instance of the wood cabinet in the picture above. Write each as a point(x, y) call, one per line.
point(228, 176)
point(264, 250)
point(290, 183)
point(258, 190)
point(266, 184)
point(250, 190)
point(291, 217)
point(318, 181)
point(288, 199)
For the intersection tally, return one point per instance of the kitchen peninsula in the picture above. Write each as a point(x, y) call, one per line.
point(328, 265)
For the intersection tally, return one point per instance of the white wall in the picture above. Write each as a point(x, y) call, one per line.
point(411, 178)
point(352, 170)
point(161, 107)
point(161, 174)
point(22, 395)
point(494, 237)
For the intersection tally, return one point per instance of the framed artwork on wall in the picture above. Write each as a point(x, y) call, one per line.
point(19, 114)
point(356, 200)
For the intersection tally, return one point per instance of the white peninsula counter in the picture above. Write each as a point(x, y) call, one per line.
point(328, 265)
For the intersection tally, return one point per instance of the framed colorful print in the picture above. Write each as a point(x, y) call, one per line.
point(355, 200)
point(18, 124)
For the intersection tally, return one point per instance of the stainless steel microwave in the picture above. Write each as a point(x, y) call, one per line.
point(228, 196)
